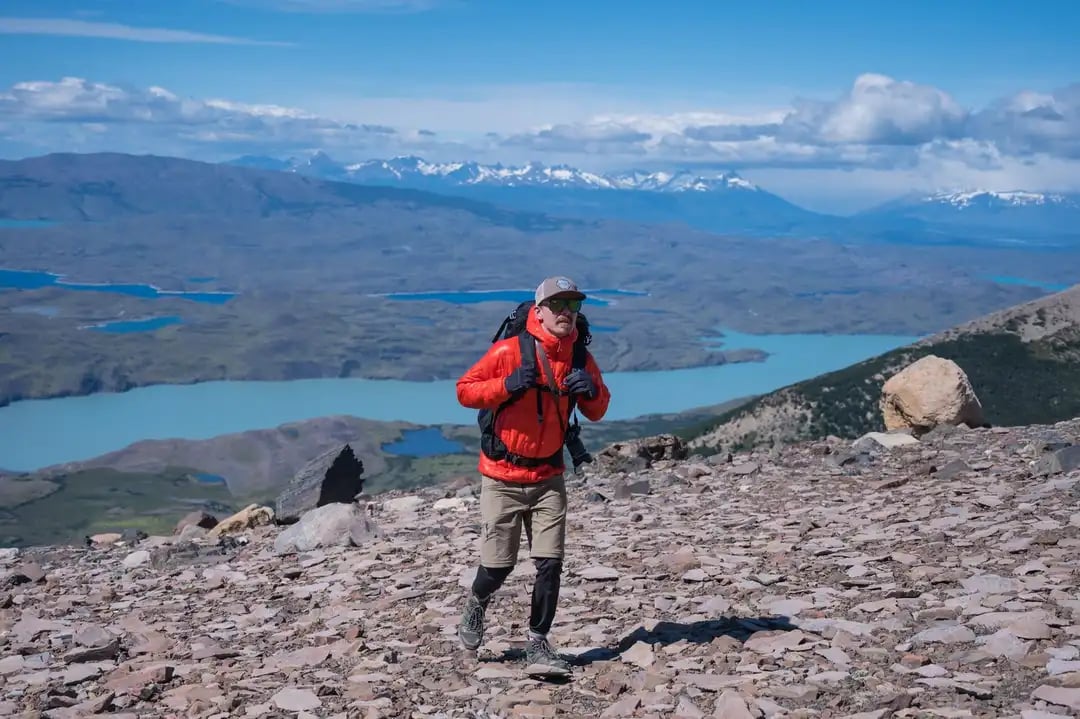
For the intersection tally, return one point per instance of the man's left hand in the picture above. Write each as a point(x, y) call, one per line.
point(580, 382)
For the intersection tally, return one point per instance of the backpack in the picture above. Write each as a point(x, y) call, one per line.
point(514, 326)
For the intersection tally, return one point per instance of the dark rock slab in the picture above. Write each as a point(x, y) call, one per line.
point(335, 476)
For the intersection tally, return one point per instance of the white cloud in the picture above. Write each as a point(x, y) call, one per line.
point(879, 122)
point(880, 134)
point(115, 31)
point(75, 113)
point(1030, 122)
point(878, 111)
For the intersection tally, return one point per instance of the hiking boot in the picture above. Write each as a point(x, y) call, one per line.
point(542, 658)
point(471, 627)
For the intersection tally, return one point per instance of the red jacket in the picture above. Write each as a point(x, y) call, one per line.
point(482, 387)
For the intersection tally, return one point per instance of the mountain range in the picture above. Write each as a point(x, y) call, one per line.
point(1017, 212)
point(714, 200)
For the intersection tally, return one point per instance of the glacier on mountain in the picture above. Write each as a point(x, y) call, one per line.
point(1014, 198)
point(534, 174)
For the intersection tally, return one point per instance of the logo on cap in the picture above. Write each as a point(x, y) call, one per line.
point(563, 283)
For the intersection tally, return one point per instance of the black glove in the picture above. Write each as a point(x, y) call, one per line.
point(580, 382)
point(520, 379)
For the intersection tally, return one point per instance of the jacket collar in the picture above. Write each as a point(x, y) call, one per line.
point(555, 347)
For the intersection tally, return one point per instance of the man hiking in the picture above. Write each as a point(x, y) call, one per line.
point(521, 461)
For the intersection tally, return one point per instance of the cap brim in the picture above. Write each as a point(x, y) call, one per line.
point(567, 295)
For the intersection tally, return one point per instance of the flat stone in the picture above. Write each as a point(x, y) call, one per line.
point(296, 700)
point(599, 573)
point(732, 705)
point(1060, 696)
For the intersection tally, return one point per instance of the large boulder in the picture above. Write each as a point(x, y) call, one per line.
point(335, 476)
point(929, 392)
point(331, 525)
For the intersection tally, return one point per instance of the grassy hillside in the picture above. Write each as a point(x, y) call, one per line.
point(1024, 364)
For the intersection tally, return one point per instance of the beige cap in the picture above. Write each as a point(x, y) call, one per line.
point(558, 287)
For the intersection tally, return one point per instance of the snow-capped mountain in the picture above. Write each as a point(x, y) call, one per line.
point(416, 171)
point(991, 198)
point(1004, 214)
point(717, 201)
point(711, 200)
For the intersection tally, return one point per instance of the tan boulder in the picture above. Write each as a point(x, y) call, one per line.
point(249, 517)
point(106, 538)
point(929, 392)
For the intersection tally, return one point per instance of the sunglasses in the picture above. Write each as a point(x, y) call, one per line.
point(560, 305)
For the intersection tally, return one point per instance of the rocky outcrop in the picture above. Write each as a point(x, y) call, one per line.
point(198, 518)
point(640, 453)
point(336, 475)
point(840, 579)
point(1024, 361)
point(929, 392)
point(247, 518)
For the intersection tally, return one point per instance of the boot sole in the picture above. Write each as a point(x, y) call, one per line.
point(546, 670)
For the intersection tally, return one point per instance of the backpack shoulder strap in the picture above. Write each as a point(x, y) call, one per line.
point(579, 360)
point(581, 355)
point(527, 345)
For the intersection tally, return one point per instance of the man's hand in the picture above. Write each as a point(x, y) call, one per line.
point(581, 382)
point(520, 379)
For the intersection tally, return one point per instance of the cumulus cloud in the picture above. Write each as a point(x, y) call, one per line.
point(116, 31)
point(877, 111)
point(1030, 122)
point(878, 123)
point(72, 111)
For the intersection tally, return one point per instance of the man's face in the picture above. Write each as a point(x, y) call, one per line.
point(559, 314)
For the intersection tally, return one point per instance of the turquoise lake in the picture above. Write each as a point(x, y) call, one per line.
point(426, 442)
point(33, 280)
point(598, 297)
point(38, 433)
point(1025, 282)
point(148, 324)
point(25, 224)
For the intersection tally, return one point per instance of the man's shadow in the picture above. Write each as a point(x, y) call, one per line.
point(665, 633)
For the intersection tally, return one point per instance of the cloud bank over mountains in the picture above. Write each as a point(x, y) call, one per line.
point(879, 123)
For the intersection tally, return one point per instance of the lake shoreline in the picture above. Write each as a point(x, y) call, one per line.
point(724, 357)
point(92, 424)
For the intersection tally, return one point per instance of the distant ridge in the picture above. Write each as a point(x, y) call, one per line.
point(411, 169)
point(103, 186)
point(709, 199)
point(981, 211)
point(716, 200)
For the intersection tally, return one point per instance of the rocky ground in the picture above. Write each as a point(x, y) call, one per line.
point(937, 578)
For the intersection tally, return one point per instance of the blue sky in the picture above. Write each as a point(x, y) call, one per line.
point(833, 104)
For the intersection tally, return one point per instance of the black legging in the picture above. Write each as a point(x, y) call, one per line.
point(545, 595)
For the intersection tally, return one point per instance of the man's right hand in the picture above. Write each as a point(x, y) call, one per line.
point(520, 379)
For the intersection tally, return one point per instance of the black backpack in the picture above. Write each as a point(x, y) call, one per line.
point(514, 325)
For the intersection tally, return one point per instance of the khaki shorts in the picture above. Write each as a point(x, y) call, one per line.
point(505, 507)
